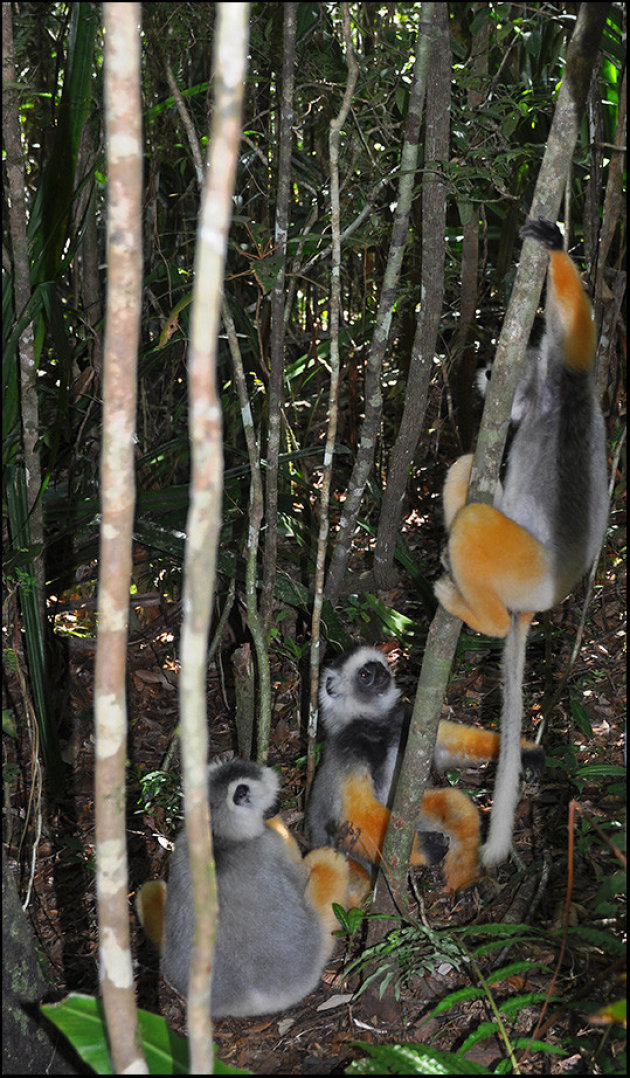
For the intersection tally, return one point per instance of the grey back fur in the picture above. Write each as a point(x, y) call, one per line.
point(269, 939)
point(556, 482)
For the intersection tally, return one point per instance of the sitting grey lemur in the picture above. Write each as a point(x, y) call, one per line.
point(275, 908)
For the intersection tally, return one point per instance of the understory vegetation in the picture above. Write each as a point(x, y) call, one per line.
point(524, 972)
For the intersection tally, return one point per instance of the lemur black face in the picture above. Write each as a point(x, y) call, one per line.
point(373, 678)
point(241, 794)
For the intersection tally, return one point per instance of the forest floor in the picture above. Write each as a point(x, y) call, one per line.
point(320, 1035)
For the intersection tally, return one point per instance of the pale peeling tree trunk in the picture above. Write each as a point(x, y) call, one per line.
point(123, 112)
point(204, 514)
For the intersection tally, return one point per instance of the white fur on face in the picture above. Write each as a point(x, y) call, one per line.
point(342, 697)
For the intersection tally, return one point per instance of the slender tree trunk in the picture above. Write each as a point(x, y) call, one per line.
point(276, 372)
point(336, 126)
point(432, 291)
point(373, 396)
point(25, 513)
point(256, 513)
point(123, 123)
point(206, 493)
point(464, 354)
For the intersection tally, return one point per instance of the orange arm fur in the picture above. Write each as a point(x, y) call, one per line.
point(450, 811)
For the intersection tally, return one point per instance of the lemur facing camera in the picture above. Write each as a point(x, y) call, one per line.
point(366, 731)
point(275, 908)
point(528, 550)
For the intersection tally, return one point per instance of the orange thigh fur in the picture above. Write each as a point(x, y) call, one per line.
point(360, 884)
point(150, 902)
point(495, 566)
point(328, 882)
point(277, 824)
point(456, 487)
point(366, 817)
point(456, 816)
point(450, 810)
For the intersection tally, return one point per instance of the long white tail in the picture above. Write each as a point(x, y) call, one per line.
point(507, 784)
